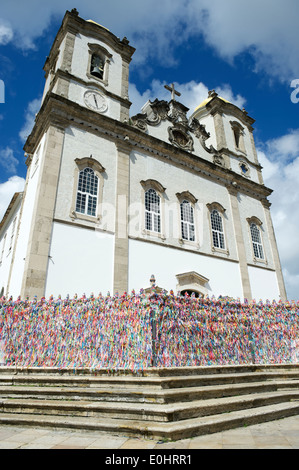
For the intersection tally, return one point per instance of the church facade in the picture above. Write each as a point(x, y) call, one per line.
point(111, 199)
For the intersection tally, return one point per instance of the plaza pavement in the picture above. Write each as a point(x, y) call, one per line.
point(280, 434)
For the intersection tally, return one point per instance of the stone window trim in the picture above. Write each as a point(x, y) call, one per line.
point(244, 169)
point(216, 206)
point(160, 190)
point(189, 197)
point(97, 49)
point(259, 224)
point(238, 134)
point(81, 164)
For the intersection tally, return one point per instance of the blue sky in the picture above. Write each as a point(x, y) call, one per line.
point(247, 51)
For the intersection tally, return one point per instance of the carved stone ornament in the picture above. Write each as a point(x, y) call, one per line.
point(218, 159)
point(179, 134)
point(179, 137)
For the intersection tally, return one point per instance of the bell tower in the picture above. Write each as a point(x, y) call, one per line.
point(89, 65)
point(85, 97)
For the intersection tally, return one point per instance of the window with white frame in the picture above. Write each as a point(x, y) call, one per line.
point(152, 211)
point(217, 230)
point(12, 233)
point(187, 221)
point(256, 241)
point(3, 248)
point(87, 192)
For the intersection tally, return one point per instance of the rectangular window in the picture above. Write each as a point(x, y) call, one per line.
point(217, 230)
point(12, 233)
point(187, 221)
point(152, 211)
point(3, 248)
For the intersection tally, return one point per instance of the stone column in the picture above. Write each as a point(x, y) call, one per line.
point(256, 161)
point(63, 84)
point(220, 135)
point(124, 109)
point(121, 244)
point(36, 262)
point(274, 249)
point(240, 243)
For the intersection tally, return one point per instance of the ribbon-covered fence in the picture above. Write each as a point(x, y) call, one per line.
point(138, 331)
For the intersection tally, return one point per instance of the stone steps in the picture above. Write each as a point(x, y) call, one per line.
point(147, 411)
point(152, 382)
point(155, 430)
point(187, 402)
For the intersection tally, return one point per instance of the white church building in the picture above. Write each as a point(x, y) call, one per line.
point(111, 199)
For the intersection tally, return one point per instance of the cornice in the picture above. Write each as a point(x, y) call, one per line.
point(217, 105)
point(69, 76)
point(61, 112)
point(240, 156)
point(14, 201)
point(73, 23)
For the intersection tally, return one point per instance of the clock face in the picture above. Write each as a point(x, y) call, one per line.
point(95, 101)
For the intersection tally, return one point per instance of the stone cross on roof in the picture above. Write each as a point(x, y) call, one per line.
point(173, 91)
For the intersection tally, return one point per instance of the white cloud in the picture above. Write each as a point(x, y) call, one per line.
point(192, 94)
point(281, 173)
point(32, 109)
point(268, 30)
point(14, 185)
point(8, 161)
point(6, 33)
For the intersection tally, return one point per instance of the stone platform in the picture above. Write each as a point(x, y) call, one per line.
point(156, 403)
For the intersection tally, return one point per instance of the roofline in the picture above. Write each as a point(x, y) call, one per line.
point(12, 203)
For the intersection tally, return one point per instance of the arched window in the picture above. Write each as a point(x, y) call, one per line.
point(256, 241)
point(98, 63)
point(97, 66)
point(152, 211)
point(187, 221)
point(217, 230)
point(87, 192)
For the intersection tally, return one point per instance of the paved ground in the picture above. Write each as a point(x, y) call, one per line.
point(280, 434)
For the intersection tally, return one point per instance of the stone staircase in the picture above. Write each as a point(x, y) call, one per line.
point(167, 403)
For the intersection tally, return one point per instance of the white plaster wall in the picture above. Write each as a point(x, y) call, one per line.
point(76, 94)
point(80, 62)
point(208, 121)
point(8, 246)
point(263, 284)
point(235, 166)
point(143, 167)
point(146, 259)
point(79, 144)
point(231, 145)
point(248, 208)
point(81, 262)
point(25, 224)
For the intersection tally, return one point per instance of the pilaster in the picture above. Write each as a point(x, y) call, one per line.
point(240, 242)
point(36, 262)
point(121, 244)
point(220, 135)
point(272, 239)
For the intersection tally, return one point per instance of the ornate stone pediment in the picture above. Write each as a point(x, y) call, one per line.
point(182, 132)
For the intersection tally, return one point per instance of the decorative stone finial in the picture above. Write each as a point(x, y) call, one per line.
point(152, 280)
